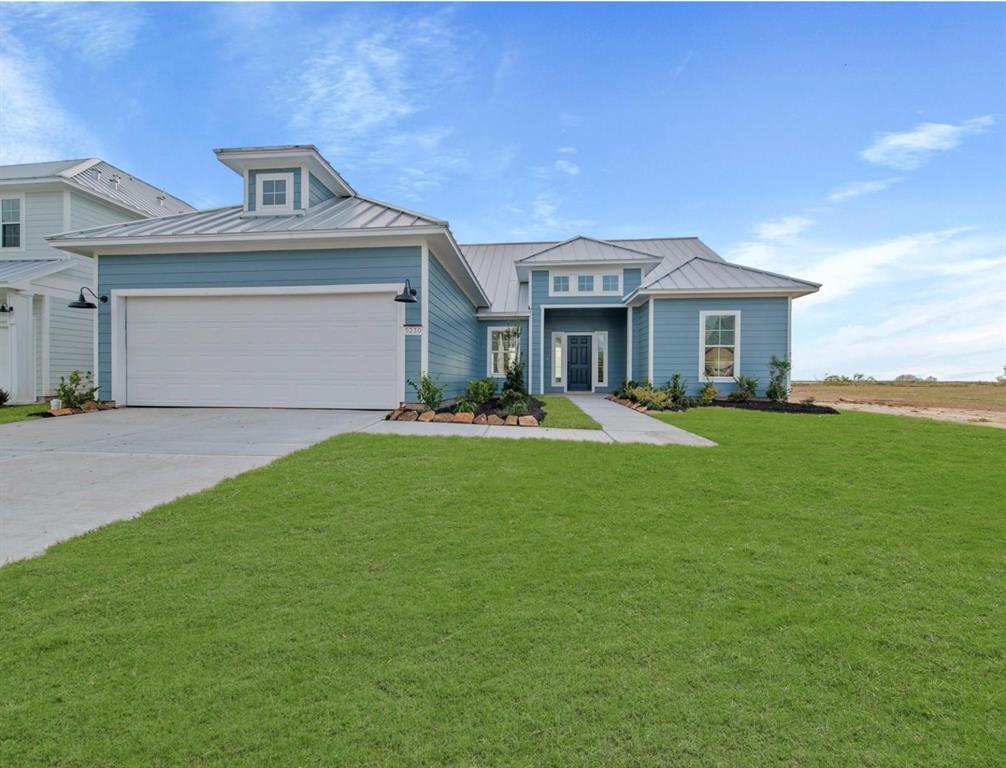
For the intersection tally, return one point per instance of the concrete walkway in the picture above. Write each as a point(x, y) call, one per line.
point(618, 425)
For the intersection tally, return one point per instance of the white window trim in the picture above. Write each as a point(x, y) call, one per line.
point(558, 382)
point(702, 345)
point(22, 220)
point(594, 346)
point(489, 349)
point(260, 179)
point(574, 275)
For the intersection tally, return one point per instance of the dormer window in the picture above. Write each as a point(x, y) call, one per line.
point(275, 193)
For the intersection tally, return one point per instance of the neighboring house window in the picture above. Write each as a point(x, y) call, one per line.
point(609, 283)
point(585, 283)
point(10, 222)
point(560, 284)
point(601, 347)
point(275, 192)
point(502, 350)
point(557, 361)
point(719, 345)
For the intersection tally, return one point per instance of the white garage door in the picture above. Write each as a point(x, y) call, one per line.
point(325, 350)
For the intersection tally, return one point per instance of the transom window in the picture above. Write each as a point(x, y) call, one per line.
point(502, 349)
point(719, 345)
point(10, 222)
point(274, 192)
point(585, 283)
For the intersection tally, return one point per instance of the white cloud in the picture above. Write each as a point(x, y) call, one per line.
point(99, 33)
point(682, 65)
point(782, 229)
point(910, 149)
point(365, 96)
point(566, 150)
point(860, 188)
point(567, 167)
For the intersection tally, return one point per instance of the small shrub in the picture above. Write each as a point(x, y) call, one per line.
point(428, 392)
point(654, 399)
point(676, 389)
point(4, 396)
point(623, 390)
point(479, 391)
point(747, 387)
point(807, 401)
point(778, 383)
point(464, 405)
point(517, 408)
point(511, 396)
point(688, 401)
point(76, 390)
point(708, 393)
point(515, 369)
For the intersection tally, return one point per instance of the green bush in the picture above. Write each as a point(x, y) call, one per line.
point(464, 405)
point(479, 391)
point(654, 399)
point(76, 390)
point(676, 389)
point(708, 393)
point(513, 402)
point(4, 396)
point(778, 383)
point(624, 388)
point(428, 392)
point(747, 387)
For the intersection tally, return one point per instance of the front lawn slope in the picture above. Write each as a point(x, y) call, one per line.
point(816, 591)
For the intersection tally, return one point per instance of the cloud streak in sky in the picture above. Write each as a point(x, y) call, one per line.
point(908, 150)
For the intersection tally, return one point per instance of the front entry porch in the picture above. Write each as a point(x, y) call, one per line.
point(584, 349)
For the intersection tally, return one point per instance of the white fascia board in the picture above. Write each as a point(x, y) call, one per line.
point(637, 297)
point(311, 160)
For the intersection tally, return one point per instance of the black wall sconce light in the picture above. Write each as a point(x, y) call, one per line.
point(408, 294)
point(5, 310)
point(82, 303)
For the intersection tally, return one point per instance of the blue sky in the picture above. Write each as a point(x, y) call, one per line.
point(861, 146)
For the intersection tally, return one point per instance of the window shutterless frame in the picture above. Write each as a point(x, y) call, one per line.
point(274, 193)
point(499, 349)
point(12, 217)
point(717, 337)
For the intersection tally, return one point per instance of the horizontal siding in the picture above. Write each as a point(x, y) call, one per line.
point(264, 268)
point(764, 332)
point(587, 321)
point(86, 212)
point(640, 341)
point(42, 216)
point(453, 333)
point(317, 192)
point(631, 278)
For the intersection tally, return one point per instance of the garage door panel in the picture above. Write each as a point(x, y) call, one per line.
point(320, 351)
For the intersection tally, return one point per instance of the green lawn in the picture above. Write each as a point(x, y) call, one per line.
point(816, 591)
point(9, 413)
point(560, 411)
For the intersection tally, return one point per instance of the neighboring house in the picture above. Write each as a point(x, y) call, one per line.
point(41, 339)
point(287, 300)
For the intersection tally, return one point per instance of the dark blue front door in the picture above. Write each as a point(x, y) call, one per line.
point(578, 363)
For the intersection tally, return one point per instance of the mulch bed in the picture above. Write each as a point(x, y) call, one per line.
point(771, 405)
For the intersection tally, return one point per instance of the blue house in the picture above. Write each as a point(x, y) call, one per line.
point(287, 300)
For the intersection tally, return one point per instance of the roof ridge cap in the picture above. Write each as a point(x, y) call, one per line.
point(399, 208)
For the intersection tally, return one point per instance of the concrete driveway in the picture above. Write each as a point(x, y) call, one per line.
point(62, 477)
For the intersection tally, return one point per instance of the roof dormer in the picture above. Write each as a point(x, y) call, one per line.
point(284, 181)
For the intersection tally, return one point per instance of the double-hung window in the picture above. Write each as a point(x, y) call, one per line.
point(502, 349)
point(11, 213)
point(719, 345)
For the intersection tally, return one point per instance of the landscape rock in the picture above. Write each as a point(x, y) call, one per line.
point(464, 418)
point(443, 417)
point(426, 416)
point(494, 420)
point(89, 407)
point(393, 416)
point(528, 421)
point(480, 419)
point(408, 416)
point(61, 412)
point(108, 405)
point(511, 421)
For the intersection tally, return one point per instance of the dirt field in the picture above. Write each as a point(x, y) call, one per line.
point(971, 402)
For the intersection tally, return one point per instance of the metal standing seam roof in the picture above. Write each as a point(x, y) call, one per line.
point(99, 178)
point(335, 214)
point(698, 274)
point(22, 270)
point(583, 250)
point(495, 264)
